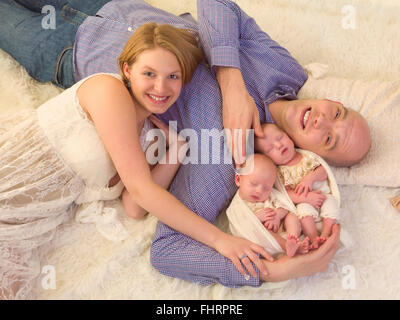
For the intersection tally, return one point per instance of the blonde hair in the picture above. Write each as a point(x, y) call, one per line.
point(181, 42)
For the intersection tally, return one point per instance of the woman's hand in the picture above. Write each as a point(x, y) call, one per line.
point(242, 252)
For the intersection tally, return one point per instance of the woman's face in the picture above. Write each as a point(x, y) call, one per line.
point(156, 79)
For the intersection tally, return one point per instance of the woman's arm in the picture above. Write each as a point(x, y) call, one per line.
point(162, 174)
point(112, 110)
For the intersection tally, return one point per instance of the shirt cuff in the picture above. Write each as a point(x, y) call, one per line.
point(225, 57)
point(285, 92)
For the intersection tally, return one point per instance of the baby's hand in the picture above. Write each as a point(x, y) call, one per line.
point(305, 186)
point(273, 224)
point(265, 214)
point(269, 218)
point(316, 199)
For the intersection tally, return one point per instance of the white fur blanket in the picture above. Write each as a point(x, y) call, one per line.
point(88, 266)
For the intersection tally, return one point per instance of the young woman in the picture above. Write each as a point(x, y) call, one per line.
point(88, 144)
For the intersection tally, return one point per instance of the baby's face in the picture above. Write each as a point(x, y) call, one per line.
point(257, 186)
point(276, 144)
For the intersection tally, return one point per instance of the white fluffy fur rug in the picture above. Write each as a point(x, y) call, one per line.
point(88, 266)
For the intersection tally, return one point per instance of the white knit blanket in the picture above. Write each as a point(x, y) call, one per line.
point(358, 39)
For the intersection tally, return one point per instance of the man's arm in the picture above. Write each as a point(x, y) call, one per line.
point(231, 38)
point(249, 65)
point(220, 33)
point(239, 110)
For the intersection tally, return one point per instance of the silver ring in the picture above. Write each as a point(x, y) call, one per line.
point(243, 256)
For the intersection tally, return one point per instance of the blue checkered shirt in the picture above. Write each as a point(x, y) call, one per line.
point(229, 37)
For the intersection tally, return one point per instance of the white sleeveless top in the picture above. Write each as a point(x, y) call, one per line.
point(75, 138)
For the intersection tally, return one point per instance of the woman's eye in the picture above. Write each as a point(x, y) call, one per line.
point(338, 112)
point(149, 74)
point(173, 76)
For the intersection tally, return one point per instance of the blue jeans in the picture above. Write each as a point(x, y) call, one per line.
point(46, 53)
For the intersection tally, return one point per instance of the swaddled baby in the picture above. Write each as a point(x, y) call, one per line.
point(267, 204)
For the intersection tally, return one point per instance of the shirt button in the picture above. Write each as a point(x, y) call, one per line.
point(130, 29)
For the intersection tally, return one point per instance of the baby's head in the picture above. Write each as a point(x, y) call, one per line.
point(257, 185)
point(276, 144)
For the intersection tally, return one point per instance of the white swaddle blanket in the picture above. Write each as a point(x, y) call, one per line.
point(244, 223)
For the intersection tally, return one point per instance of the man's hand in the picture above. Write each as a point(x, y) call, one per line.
point(239, 111)
point(303, 265)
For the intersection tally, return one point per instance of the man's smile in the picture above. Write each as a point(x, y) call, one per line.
point(305, 117)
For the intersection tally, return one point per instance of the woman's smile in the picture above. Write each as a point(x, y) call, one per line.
point(157, 99)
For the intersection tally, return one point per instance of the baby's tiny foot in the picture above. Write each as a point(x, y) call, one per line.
point(292, 244)
point(304, 246)
point(321, 240)
point(314, 244)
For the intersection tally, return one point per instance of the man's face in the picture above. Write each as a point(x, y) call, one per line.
point(338, 134)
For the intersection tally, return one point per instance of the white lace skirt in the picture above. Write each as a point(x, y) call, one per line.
point(37, 193)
